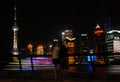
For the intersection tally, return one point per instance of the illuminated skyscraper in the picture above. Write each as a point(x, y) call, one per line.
point(113, 41)
point(15, 36)
point(40, 49)
point(99, 40)
point(67, 35)
point(68, 39)
point(84, 47)
point(30, 48)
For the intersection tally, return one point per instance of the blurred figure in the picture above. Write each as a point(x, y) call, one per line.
point(55, 57)
point(63, 57)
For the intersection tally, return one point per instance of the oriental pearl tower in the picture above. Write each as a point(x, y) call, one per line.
point(15, 29)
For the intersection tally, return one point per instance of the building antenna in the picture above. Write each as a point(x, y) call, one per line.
point(15, 18)
point(109, 21)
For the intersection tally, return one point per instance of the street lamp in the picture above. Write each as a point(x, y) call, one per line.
point(50, 47)
point(63, 33)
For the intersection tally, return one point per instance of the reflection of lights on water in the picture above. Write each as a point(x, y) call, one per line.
point(38, 60)
point(114, 69)
point(89, 68)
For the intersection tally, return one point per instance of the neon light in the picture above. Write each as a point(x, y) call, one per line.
point(88, 57)
point(93, 58)
point(98, 31)
point(118, 31)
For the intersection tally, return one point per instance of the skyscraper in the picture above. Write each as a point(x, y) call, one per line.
point(84, 46)
point(67, 35)
point(68, 39)
point(99, 40)
point(113, 41)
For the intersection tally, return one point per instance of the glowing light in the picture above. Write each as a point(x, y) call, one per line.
point(40, 50)
point(63, 33)
point(92, 57)
point(30, 47)
point(116, 46)
point(118, 31)
point(15, 29)
point(15, 36)
point(97, 26)
point(83, 34)
point(70, 38)
point(98, 31)
point(15, 52)
point(55, 40)
point(70, 44)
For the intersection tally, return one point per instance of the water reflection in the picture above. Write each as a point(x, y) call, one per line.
point(89, 68)
point(113, 69)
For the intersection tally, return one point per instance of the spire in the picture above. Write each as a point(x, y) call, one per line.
point(109, 21)
point(15, 27)
point(15, 18)
point(98, 26)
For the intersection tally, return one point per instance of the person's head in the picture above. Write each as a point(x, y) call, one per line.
point(55, 43)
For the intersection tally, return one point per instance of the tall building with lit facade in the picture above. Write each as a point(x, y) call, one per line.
point(99, 40)
point(30, 48)
point(68, 39)
point(67, 34)
point(40, 50)
point(84, 44)
point(113, 41)
point(15, 29)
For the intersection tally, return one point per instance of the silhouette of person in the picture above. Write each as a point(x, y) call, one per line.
point(63, 57)
point(55, 57)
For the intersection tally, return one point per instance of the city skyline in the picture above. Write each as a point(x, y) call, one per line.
point(33, 18)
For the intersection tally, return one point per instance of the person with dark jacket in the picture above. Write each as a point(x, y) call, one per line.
point(63, 57)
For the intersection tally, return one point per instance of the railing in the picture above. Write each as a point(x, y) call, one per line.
point(19, 56)
point(105, 56)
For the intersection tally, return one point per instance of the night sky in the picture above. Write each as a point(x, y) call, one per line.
point(44, 20)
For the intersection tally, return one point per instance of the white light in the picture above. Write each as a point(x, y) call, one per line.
point(70, 38)
point(91, 51)
point(113, 31)
point(63, 33)
point(56, 40)
point(97, 26)
point(83, 34)
point(15, 52)
point(50, 46)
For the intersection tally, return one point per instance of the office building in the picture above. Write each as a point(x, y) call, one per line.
point(84, 43)
point(113, 41)
point(99, 40)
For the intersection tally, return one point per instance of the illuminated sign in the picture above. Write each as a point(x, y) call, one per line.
point(98, 31)
point(117, 46)
point(112, 31)
point(70, 38)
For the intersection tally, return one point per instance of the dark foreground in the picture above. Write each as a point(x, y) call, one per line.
point(76, 73)
point(47, 76)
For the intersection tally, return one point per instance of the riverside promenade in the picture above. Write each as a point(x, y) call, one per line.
point(46, 75)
